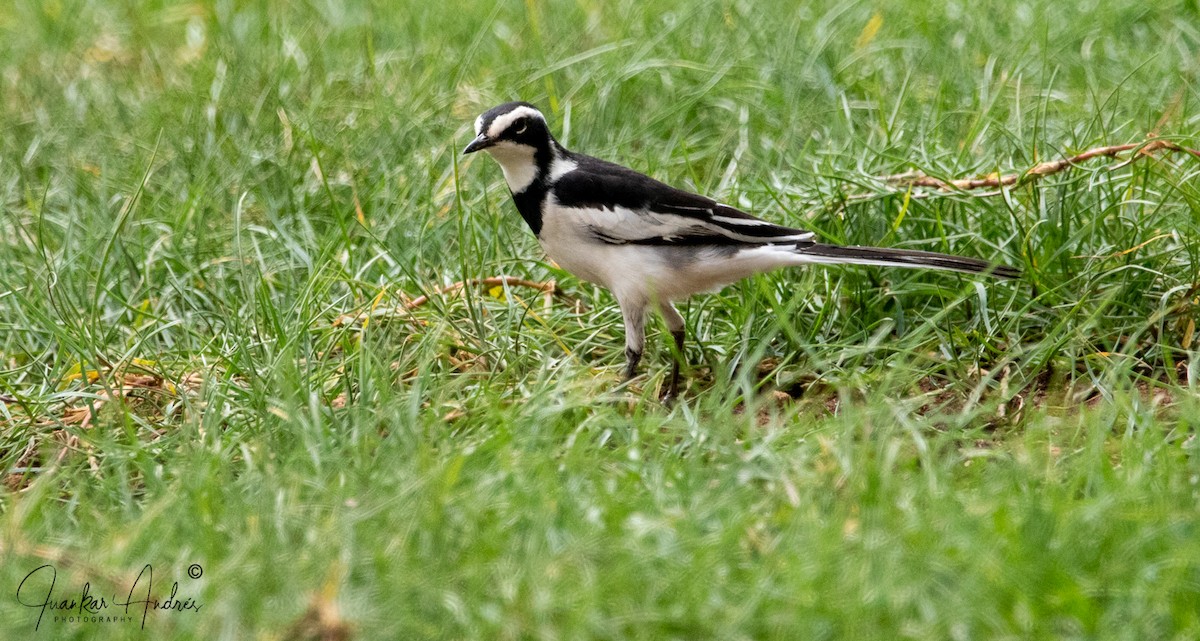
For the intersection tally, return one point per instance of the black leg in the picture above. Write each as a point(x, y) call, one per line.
point(632, 358)
point(675, 323)
point(672, 390)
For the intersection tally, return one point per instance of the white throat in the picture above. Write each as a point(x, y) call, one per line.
point(518, 164)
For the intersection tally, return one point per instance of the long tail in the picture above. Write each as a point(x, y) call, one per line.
point(911, 258)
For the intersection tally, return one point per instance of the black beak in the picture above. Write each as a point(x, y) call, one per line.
point(481, 142)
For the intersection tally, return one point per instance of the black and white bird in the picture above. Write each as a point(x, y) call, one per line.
point(650, 243)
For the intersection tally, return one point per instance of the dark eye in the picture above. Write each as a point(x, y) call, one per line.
point(523, 125)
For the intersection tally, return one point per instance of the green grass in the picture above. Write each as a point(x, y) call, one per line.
point(194, 196)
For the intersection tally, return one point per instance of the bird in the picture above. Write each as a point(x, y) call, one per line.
point(651, 244)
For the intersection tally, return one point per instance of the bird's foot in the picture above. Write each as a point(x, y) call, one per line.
point(670, 393)
point(632, 358)
point(668, 397)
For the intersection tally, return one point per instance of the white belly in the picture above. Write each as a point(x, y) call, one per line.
point(646, 272)
point(585, 258)
point(630, 272)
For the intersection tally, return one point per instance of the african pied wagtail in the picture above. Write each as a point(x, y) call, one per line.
point(648, 242)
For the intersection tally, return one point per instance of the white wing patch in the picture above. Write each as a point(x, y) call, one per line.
point(739, 221)
point(624, 225)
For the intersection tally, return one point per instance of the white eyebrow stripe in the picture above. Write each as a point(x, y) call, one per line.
point(502, 122)
point(479, 125)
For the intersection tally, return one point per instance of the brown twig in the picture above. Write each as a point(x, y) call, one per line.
point(1041, 170)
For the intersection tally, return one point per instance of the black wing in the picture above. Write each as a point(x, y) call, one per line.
point(623, 206)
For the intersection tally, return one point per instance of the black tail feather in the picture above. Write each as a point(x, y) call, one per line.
point(854, 254)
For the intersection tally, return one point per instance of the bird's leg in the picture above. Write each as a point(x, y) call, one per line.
point(674, 323)
point(635, 335)
point(632, 358)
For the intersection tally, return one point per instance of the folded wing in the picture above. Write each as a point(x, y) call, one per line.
point(621, 206)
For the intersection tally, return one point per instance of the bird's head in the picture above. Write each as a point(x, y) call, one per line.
point(511, 130)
